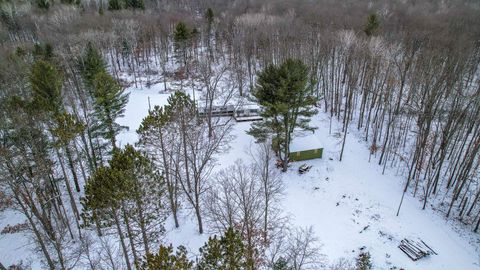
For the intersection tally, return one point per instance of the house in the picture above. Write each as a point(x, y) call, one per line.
point(305, 146)
point(247, 112)
point(242, 113)
point(217, 111)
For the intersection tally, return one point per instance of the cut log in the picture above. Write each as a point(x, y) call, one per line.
point(415, 249)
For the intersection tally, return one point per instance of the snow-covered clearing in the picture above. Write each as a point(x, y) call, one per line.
point(350, 204)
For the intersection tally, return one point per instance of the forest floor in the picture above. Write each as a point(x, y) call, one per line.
point(350, 204)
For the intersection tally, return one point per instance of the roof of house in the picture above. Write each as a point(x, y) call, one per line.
point(305, 141)
point(248, 106)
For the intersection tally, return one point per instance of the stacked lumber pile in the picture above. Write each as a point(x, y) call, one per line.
point(415, 249)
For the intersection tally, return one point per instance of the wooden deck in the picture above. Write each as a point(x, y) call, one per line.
point(241, 114)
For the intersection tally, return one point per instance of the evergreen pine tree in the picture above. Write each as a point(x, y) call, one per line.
point(108, 98)
point(44, 52)
point(20, 52)
point(181, 37)
point(105, 192)
point(281, 264)
point(67, 127)
point(48, 51)
point(44, 4)
point(143, 208)
point(166, 259)
point(126, 49)
point(109, 102)
point(37, 51)
point(364, 261)
point(127, 192)
point(46, 83)
point(135, 4)
point(114, 5)
point(100, 196)
point(194, 33)
point(180, 105)
point(153, 132)
point(140, 4)
point(91, 64)
point(181, 33)
point(286, 96)
point(372, 24)
point(225, 253)
point(209, 16)
point(233, 250)
point(211, 255)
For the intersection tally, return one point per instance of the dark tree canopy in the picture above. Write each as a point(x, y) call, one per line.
point(209, 15)
point(46, 83)
point(114, 5)
point(372, 24)
point(224, 253)
point(90, 64)
point(110, 101)
point(165, 258)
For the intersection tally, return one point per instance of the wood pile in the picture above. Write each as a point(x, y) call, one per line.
point(415, 250)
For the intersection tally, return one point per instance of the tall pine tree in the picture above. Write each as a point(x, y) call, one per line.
point(155, 137)
point(46, 83)
point(181, 37)
point(285, 93)
point(107, 96)
point(109, 103)
point(145, 208)
point(90, 64)
point(105, 192)
point(127, 194)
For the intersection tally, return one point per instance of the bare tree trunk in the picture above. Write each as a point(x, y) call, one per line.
point(122, 240)
point(130, 235)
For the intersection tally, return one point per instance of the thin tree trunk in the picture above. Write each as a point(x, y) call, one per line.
point(122, 239)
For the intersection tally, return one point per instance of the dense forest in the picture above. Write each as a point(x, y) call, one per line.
point(404, 74)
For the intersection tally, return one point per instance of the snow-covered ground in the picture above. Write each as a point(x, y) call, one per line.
point(350, 204)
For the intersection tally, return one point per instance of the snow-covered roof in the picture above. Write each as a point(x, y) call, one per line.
point(249, 106)
point(305, 141)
